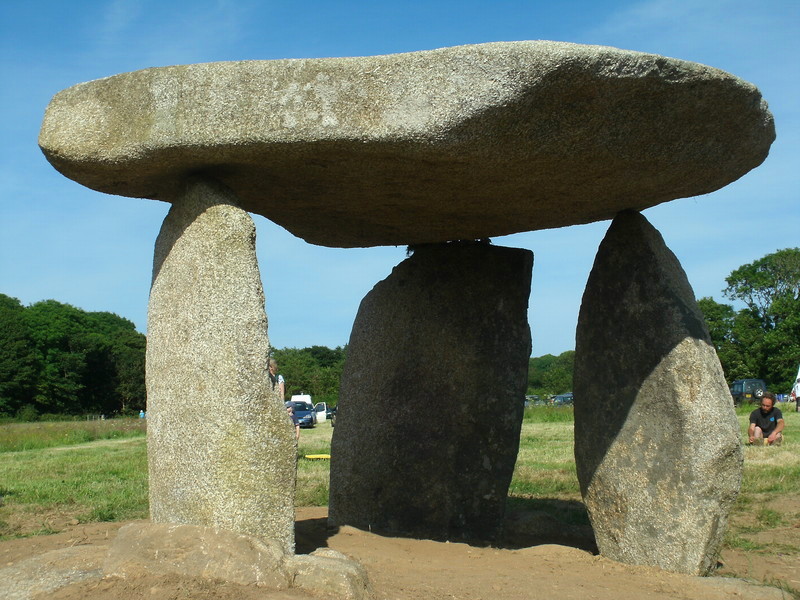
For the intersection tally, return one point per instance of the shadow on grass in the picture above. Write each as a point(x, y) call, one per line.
point(528, 522)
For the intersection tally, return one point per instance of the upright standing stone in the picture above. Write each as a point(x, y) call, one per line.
point(220, 446)
point(656, 438)
point(432, 393)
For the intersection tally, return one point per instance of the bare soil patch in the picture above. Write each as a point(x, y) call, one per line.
point(410, 569)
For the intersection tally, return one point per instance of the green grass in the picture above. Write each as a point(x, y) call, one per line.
point(313, 476)
point(734, 541)
point(42, 489)
point(548, 414)
point(80, 483)
point(766, 508)
point(545, 465)
point(17, 437)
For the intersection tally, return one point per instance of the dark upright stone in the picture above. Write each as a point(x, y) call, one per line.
point(656, 439)
point(432, 395)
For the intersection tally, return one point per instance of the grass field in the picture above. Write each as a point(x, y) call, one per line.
point(53, 474)
point(15, 437)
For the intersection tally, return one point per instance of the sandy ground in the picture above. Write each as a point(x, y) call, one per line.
point(408, 569)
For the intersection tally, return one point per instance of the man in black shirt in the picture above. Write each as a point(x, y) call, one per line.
point(766, 423)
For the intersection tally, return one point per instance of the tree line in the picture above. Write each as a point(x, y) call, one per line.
point(761, 340)
point(549, 375)
point(58, 359)
point(315, 370)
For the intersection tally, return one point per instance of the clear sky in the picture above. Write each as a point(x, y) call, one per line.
point(63, 241)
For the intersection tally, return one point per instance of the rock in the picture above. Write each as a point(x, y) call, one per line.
point(457, 143)
point(221, 448)
point(326, 571)
point(193, 551)
point(188, 551)
point(431, 396)
point(50, 571)
point(657, 444)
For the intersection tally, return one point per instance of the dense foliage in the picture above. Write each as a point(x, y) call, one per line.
point(315, 370)
point(761, 340)
point(548, 374)
point(58, 359)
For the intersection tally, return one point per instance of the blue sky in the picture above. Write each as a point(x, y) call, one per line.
point(62, 241)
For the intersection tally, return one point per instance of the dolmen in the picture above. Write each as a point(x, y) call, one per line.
point(438, 150)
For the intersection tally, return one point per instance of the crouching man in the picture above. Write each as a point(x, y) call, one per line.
point(766, 423)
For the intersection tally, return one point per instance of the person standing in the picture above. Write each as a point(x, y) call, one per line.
point(795, 393)
point(276, 380)
point(295, 422)
point(766, 423)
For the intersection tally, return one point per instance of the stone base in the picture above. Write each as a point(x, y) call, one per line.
point(188, 551)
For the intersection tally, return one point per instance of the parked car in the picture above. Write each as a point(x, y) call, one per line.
point(562, 399)
point(319, 410)
point(748, 390)
point(332, 416)
point(304, 412)
point(532, 400)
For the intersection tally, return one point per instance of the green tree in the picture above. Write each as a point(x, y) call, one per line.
point(54, 329)
point(17, 360)
point(55, 358)
point(119, 352)
point(551, 374)
point(128, 350)
point(315, 370)
point(736, 338)
point(297, 367)
point(764, 282)
point(762, 340)
point(719, 318)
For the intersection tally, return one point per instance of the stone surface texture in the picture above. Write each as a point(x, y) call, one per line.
point(188, 551)
point(191, 550)
point(326, 571)
point(39, 575)
point(657, 444)
point(456, 143)
point(431, 397)
point(221, 448)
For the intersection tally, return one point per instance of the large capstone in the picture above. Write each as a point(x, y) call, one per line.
point(457, 143)
point(656, 439)
point(432, 394)
point(221, 448)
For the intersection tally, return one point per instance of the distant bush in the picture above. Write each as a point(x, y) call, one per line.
point(54, 418)
point(27, 414)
